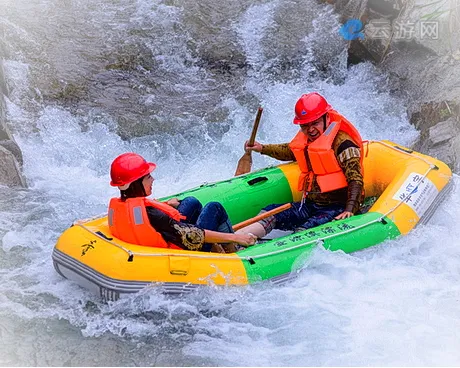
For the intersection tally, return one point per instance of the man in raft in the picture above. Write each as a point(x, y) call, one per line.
point(329, 152)
point(173, 224)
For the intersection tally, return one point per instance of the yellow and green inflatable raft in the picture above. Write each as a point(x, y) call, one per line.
point(403, 188)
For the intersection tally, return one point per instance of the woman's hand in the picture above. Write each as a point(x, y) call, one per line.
point(173, 202)
point(246, 240)
point(256, 147)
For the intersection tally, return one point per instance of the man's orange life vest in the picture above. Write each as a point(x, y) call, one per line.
point(324, 164)
point(128, 221)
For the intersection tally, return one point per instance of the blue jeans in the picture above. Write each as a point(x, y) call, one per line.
point(210, 217)
point(310, 215)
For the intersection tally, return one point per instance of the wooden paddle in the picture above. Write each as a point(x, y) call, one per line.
point(272, 212)
point(245, 162)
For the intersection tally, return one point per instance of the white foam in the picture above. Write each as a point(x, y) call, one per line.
point(393, 304)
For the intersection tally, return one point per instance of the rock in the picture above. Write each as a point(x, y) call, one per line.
point(6, 140)
point(13, 147)
point(10, 173)
point(432, 24)
point(390, 8)
point(456, 152)
point(417, 43)
point(442, 141)
point(443, 132)
point(426, 24)
point(445, 153)
point(10, 153)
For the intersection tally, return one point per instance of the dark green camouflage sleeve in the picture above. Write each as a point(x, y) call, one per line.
point(280, 152)
point(349, 160)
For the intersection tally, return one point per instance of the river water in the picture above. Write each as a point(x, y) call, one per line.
point(179, 82)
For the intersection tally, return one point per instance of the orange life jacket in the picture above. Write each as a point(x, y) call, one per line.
point(324, 164)
point(128, 221)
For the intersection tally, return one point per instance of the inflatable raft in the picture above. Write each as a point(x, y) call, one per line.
point(403, 188)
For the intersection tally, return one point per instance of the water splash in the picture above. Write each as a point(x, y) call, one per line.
point(393, 304)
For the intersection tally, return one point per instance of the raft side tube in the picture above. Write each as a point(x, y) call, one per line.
point(287, 254)
point(88, 244)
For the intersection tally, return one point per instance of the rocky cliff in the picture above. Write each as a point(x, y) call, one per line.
point(417, 43)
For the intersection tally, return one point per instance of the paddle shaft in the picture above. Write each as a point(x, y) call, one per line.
point(245, 162)
point(255, 127)
point(262, 216)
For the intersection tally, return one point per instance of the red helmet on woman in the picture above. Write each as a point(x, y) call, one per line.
point(310, 107)
point(127, 168)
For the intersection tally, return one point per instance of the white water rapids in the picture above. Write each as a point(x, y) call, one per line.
point(395, 304)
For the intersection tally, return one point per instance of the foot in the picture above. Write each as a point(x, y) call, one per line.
point(217, 248)
point(230, 247)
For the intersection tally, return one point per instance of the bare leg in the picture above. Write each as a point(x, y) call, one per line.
point(256, 228)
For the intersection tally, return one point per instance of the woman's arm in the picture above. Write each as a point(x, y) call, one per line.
point(186, 236)
point(191, 237)
point(217, 237)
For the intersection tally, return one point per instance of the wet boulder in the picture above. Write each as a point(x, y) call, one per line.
point(10, 173)
point(10, 153)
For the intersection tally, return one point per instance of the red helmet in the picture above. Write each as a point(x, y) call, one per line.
point(127, 168)
point(310, 107)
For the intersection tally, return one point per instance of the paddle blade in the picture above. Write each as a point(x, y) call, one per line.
point(244, 164)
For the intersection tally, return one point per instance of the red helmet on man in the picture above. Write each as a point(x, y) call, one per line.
point(129, 167)
point(310, 107)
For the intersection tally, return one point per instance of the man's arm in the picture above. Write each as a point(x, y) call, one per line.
point(280, 152)
point(349, 157)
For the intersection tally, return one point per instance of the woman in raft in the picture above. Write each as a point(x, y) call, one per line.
point(177, 224)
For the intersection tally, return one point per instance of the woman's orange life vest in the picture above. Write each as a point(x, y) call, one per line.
point(128, 221)
point(324, 164)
